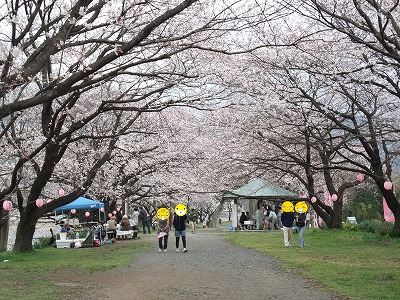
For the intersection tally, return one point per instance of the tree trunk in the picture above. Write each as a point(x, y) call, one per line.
point(336, 217)
point(214, 218)
point(25, 231)
point(4, 227)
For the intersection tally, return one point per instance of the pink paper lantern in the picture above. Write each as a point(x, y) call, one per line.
point(334, 197)
point(102, 209)
point(7, 205)
point(118, 209)
point(61, 192)
point(388, 185)
point(87, 214)
point(360, 177)
point(73, 211)
point(39, 202)
point(114, 212)
point(313, 199)
point(109, 215)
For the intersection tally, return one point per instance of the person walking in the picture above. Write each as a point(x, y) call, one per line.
point(301, 227)
point(287, 219)
point(179, 224)
point(162, 235)
point(144, 219)
point(193, 220)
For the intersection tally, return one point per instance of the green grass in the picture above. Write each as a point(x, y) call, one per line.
point(46, 273)
point(353, 264)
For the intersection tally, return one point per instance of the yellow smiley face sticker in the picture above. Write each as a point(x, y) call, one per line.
point(287, 206)
point(301, 207)
point(162, 213)
point(180, 209)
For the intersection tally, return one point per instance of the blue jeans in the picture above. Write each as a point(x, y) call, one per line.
point(301, 233)
point(146, 224)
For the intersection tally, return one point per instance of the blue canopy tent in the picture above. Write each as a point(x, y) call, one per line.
point(81, 203)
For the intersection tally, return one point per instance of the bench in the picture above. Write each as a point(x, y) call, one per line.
point(250, 224)
point(126, 234)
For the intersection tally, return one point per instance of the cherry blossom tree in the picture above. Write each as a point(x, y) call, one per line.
point(76, 76)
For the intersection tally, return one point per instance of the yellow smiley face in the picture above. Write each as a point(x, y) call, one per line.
point(287, 206)
point(180, 209)
point(162, 213)
point(301, 207)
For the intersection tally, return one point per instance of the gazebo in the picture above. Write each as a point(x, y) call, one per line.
point(257, 189)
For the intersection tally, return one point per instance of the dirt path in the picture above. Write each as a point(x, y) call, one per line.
point(211, 269)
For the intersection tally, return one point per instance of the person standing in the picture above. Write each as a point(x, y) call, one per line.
point(193, 220)
point(144, 219)
point(162, 234)
point(301, 227)
point(272, 220)
point(135, 217)
point(287, 219)
point(180, 231)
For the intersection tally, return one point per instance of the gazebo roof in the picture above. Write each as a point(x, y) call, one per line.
point(260, 189)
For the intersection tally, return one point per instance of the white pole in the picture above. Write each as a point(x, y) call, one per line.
point(234, 214)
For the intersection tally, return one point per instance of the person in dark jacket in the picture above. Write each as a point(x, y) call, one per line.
point(179, 224)
point(243, 218)
point(287, 219)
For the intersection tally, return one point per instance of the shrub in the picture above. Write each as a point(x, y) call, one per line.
point(368, 226)
point(41, 242)
point(350, 226)
point(394, 233)
point(384, 228)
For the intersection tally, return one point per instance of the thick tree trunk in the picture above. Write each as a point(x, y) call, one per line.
point(25, 231)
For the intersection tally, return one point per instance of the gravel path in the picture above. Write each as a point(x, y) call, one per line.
point(211, 269)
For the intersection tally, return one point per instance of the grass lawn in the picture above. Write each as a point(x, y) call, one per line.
point(354, 264)
point(35, 275)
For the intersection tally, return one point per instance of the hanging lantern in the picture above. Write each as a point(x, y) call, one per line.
point(7, 205)
point(102, 209)
point(334, 197)
point(110, 215)
point(313, 199)
point(118, 209)
point(39, 202)
point(87, 214)
point(360, 177)
point(73, 211)
point(61, 192)
point(114, 212)
point(388, 185)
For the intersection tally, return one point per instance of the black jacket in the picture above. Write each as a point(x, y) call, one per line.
point(180, 222)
